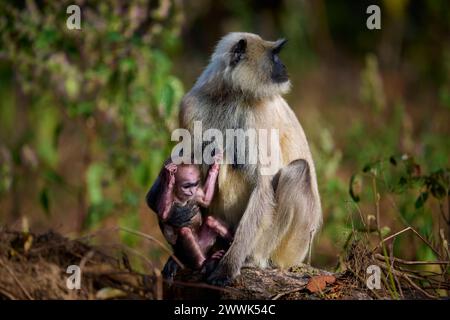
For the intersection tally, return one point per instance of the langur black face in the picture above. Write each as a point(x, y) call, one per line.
point(254, 65)
point(279, 72)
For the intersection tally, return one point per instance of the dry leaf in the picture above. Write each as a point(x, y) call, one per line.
point(110, 293)
point(28, 243)
point(318, 283)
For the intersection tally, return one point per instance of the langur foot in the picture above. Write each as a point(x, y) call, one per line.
point(220, 276)
point(169, 271)
point(211, 263)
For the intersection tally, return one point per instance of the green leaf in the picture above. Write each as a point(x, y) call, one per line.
point(438, 190)
point(172, 94)
point(421, 200)
point(385, 231)
point(83, 108)
point(167, 98)
point(97, 212)
point(44, 200)
point(444, 96)
point(52, 176)
point(127, 64)
point(393, 161)
point(131, 198)
point(131, 221)
point(57, 132)
point(45, 38)
point(352, 192)
point(94, 176)
point(110, 293)
point(402, 181)
point(72, 86)
point(367, 168)
point(412, 168)
point(47, 120)
point(114, 36)
point(141, 174)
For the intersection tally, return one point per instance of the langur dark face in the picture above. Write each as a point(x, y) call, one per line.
point(255, 66)
point(187, 182)
point(279, 72)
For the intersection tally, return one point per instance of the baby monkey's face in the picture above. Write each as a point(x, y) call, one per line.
point(187, 182)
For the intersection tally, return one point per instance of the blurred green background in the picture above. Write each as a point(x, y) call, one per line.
point(86, 115)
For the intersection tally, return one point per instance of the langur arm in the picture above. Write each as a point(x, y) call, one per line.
point(261, 203)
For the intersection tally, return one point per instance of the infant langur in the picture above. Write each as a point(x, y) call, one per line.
point(190, 234)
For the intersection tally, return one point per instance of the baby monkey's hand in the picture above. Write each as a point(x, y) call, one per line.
point(217, 159)
point(171, 168)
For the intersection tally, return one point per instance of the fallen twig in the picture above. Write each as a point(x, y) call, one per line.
point(16, 280)
point(404, 230)
point(279, 295)
point(401, 261)
point(146, 236)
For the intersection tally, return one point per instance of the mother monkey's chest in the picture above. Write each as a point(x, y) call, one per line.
point(244, 136)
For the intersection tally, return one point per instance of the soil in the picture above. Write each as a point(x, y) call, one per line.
point(35, 267)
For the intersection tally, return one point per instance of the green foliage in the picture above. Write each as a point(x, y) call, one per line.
point(400, 180)
point(107, 89)
point(85, 115)
point(44, 199)
point(328, 159)
point(412, 185)
point(413, 194)
point(372, 87)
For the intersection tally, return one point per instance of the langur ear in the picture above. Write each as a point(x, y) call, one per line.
point(238, 52)
point(279, 44)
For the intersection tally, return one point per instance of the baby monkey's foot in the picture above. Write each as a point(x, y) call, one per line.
point(211, 263)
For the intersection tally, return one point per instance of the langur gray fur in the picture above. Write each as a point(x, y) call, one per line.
point(275, 217)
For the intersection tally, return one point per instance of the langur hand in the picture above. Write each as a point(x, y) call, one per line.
point(211, 263)
point(222, 276)
point(171, 168)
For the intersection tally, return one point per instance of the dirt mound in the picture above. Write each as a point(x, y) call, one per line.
point(35, 267)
